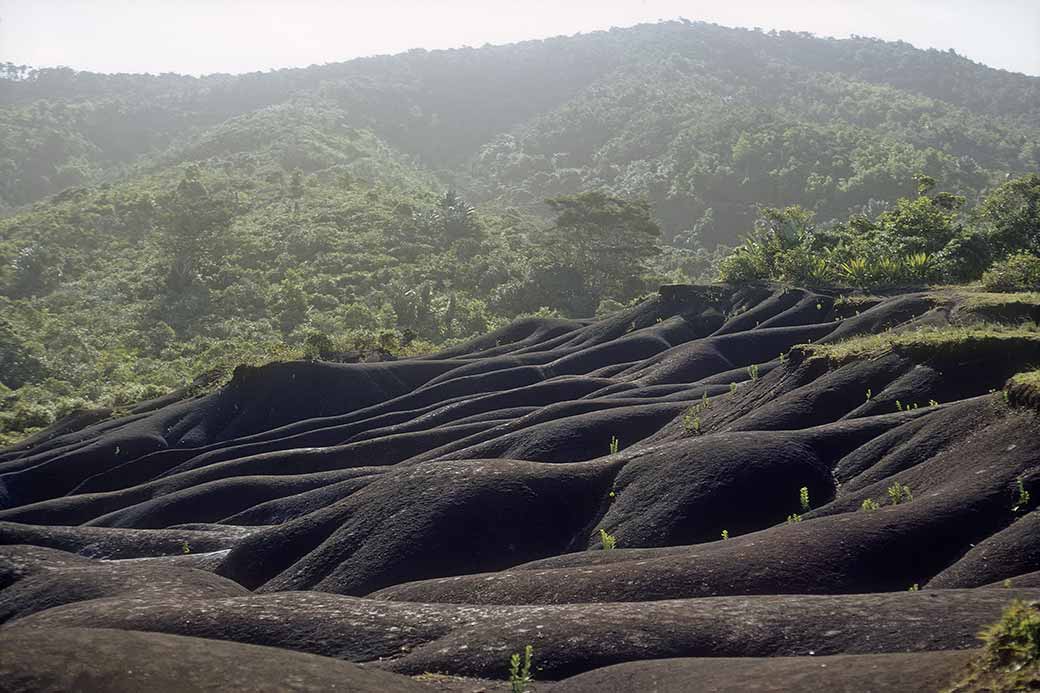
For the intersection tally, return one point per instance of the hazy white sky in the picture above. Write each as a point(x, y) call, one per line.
point(201, 36)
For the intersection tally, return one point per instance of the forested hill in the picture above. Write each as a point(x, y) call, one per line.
point(156, 227)
point(705, 121)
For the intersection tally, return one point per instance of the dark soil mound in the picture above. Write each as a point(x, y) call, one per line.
point(908, 673)
point(439, 514)
point(85, 659)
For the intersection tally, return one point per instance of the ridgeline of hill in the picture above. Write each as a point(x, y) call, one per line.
point(159, 226)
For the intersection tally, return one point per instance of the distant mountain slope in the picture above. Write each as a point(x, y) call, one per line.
point(696, 116)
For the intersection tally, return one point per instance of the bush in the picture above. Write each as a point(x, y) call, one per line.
point(1010, 656)
point(804, 267)
point(1019, 272)
point(742, 267)
point(1014, 640)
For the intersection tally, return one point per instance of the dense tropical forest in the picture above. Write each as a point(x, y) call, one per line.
point(159, 227)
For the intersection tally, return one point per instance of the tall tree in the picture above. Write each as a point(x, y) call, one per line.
point(609, 240)
point(1012, 215)
point(296, 190)
point(194, 225)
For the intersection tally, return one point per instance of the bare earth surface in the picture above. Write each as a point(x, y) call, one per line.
point(408, 525)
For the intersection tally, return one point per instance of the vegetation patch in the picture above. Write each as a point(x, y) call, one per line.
point(990, 306)
point(1018, 272)
point(1029, 378)
point(848, 305)
point(1010, 660)
point(1023, 389)
point(926, 342)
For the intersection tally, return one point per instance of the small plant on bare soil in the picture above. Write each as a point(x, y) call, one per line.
point(869, 505)
point(614, 445)
point(725, 534)
point(793, 517)
point(898, 494)
point(691, 423)
point(1023, 497)
point(520, 670)
point(803, 498)
point(609, 541)
point(691, 420)
point(752, 371)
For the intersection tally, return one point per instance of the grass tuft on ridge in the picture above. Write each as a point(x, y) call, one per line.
point(924, 342)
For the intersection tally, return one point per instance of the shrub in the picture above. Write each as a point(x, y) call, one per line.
point(803, 498)
point(918, 267)
point(1010, 654)
point(1014, 640)
point(965, 257)
point(742, 267)
point(1019, 272)
point(801, 266)
point(856, 271)
point(609, 541)
point(869, 505)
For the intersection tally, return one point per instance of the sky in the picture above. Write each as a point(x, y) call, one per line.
point(205, 36)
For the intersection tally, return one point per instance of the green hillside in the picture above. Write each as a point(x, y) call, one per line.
point(155, 227)
point(696, 115)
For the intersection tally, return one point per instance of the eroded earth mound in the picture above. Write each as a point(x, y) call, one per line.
point(841, 515)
